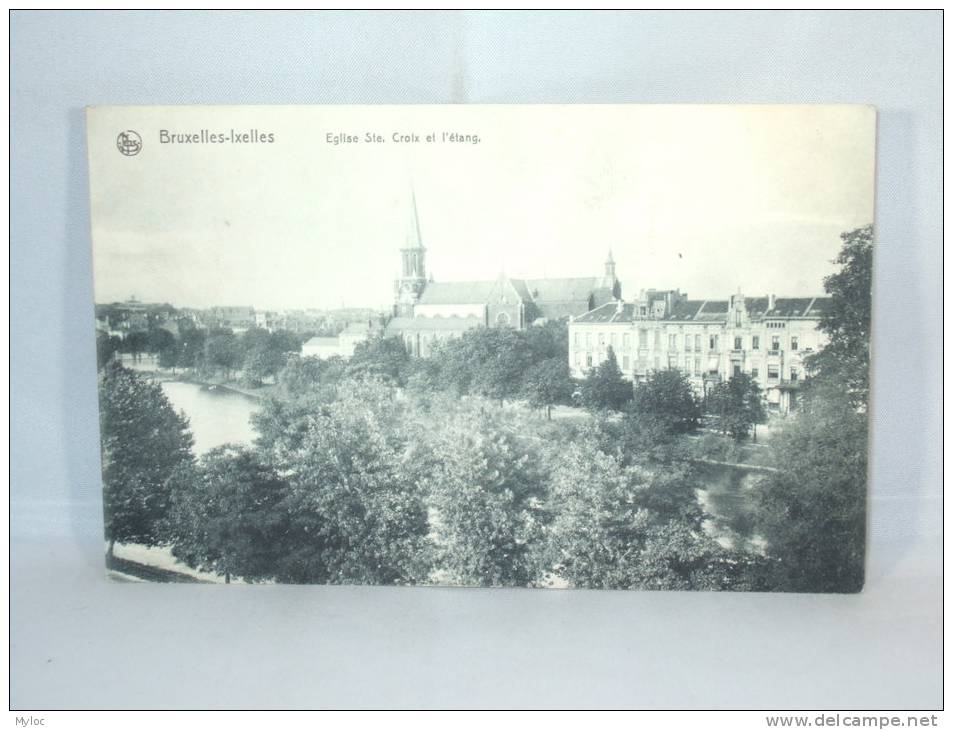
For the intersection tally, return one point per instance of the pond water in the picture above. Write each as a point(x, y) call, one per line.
point(216, 417)
point(727, 495)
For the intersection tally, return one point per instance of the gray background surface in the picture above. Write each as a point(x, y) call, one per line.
point(78, 641)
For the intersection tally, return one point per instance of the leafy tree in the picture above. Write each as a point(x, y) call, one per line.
point(423, 375)
point(192, 347)
point(160, 340)
point(548, 383)
point(355, 504)
point(486, 493)
point(550, 340)
point(604, 387)
point(265, 353)
point(489, 362)
point(227, 514)
point(846, 357)
point(735, 406)
point(143, 442)
point(385, 358)
point(223, 351)
point(503, 359)
point(666, 400)
point(106, 348)
point(310, 376)
point(282, 344)
point(136, 343)
point(813, 513)
point(617, 526)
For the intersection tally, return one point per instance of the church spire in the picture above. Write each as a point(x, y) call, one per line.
point(413, 278)
point(610, 280)
point(610, 266)
point(414, 239)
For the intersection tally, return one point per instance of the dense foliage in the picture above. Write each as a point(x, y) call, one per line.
point(735, 406)
point(605, 388)
point(813, 511)
point(845, 359)
point(667, 401)
point(143, 441)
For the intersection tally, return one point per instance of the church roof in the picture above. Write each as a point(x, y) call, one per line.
point(562, 290)
point(457, 292)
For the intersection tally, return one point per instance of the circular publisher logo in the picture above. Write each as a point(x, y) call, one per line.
point(129, 143)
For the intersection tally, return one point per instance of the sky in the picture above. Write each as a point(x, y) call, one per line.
point(705, 199)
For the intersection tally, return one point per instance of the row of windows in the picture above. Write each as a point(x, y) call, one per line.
point(691, 342)
point(692, 366)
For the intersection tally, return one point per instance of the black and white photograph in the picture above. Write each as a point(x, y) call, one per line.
point(604, 347)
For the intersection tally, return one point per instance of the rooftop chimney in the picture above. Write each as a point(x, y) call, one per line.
point(770, 302)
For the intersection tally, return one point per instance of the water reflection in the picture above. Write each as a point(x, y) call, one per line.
point(216, 416)
point(727, 496)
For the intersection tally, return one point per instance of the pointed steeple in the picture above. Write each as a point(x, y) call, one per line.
point(610, 265)
point(609, 279)
point(414, 239)
point(413, 278)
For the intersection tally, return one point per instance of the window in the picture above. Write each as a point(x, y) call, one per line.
point(737, 343)
point(755, 342)
point(672, 342)
point(737, 319)
point(657, 339)
point(656, 362)
point(673, 361)
point(588, 359)
point(773, 372)
point(794, 374)
point(612, 340)
point(688, 364)
point(642, 311)
point(602, 338)
point(712, 342)
point(576, 339)
point(754, 373)
point(793, 344)
point(698, 343)
point(688, 343)
point(625, 362)
point(502, 319)
point(643, 339)
point(588, 339)
point(578, 359)
point(698, 366)
point(625, 340)
point(775, 342)
point(736, 369)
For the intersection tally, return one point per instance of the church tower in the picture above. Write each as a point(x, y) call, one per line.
point(609, 280)
point(413, 277)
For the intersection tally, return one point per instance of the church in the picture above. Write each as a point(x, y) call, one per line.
point(428, 311)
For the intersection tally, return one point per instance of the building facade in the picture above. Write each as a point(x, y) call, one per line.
point(708, 340)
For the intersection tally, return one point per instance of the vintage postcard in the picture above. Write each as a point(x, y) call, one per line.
point(608, 346)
